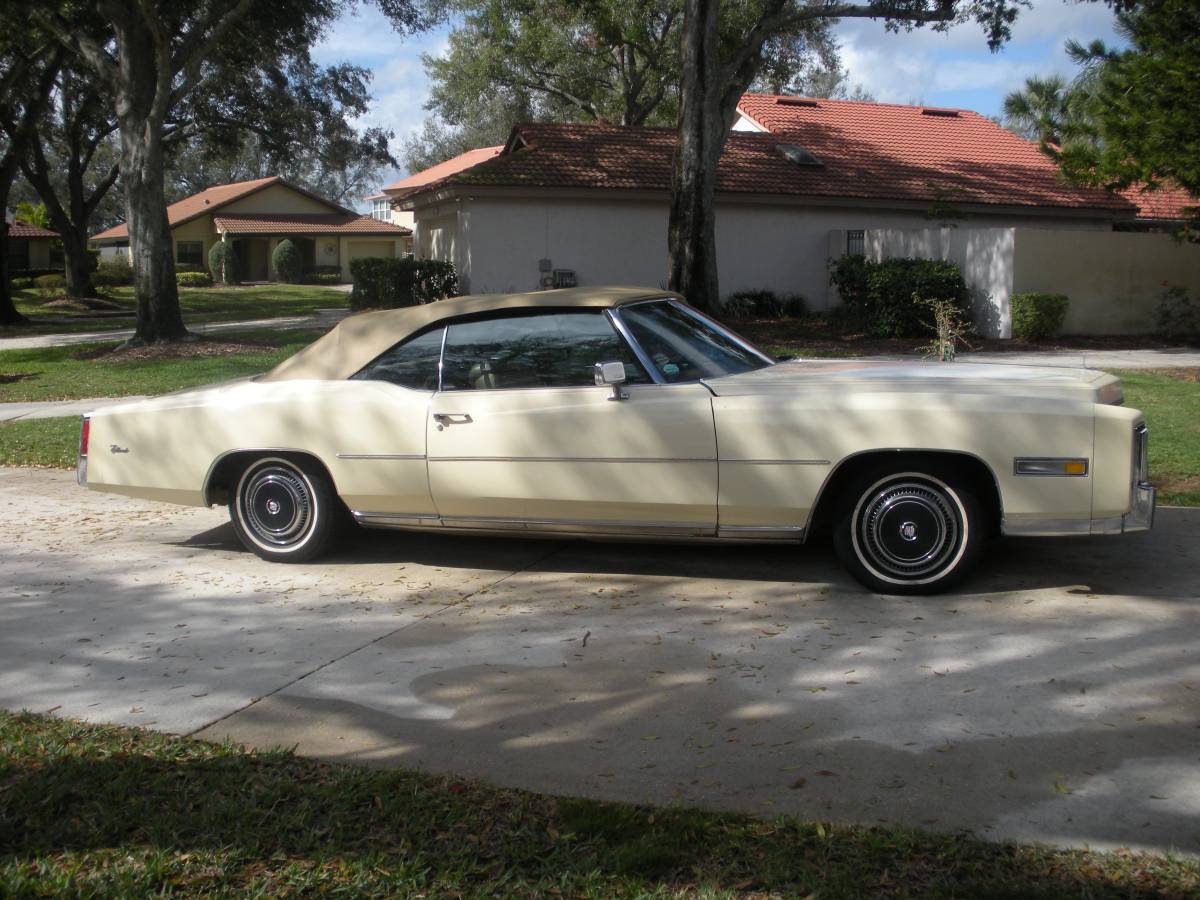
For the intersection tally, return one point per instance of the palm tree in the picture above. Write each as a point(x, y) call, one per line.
point(1041, 111)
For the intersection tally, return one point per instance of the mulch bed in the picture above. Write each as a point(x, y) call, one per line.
point(1191, 375)
point(173, 350)
point(84, 304)
point(815, 334)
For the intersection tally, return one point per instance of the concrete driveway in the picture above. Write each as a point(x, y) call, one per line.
point(1059, 700)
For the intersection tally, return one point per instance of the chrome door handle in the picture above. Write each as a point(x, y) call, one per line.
point(452, 419)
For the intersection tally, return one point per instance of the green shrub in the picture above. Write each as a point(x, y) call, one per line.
point(323, 275)
point(113, 272)
point(433, 279)
point(193, 279)
point(223, 262)
point(323, 278)
point(287, 262)
point(21, 284)
point(1176, 318)
point(50, 282)
point(1036, 317)
point(880, 296)
point(387, 283)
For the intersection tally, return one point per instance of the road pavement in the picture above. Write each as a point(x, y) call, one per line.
point(1057, 698)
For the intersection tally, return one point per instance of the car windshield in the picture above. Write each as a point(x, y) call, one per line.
point(684, 346)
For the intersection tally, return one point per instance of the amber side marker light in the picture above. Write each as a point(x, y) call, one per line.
point(1076, 468)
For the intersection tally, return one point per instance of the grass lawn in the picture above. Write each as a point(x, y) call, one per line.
point(68, 373)
point(1172, 407)
point(215, 304)
point(103, 811)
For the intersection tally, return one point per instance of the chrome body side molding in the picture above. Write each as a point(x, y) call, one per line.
point(381, 456)
point(486, 525)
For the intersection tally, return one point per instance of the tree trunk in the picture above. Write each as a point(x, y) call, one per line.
point(78, 263)
point(141, 108)
point(8, 312)
point(691, 230)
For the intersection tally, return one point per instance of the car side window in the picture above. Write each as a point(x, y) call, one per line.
point(528, 351)
point(411, 364)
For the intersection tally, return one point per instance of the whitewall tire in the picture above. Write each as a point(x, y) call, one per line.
point(909, 532)
point(284, 510)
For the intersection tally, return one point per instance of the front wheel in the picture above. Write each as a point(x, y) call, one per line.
point(284, 510)
point(909, 532)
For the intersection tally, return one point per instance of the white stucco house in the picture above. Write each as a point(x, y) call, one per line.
point(801, 181)
point(256, 215)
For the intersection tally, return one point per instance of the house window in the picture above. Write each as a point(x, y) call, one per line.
point(855, 242)
point(18, 254)
point(189, 253)
point(381, 210)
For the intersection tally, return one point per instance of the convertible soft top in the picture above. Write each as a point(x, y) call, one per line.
point(356, 341)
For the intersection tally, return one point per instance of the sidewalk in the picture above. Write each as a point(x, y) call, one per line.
point(55, 409)
point(322, 318)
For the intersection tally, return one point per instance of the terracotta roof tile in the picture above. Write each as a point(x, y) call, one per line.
point(305, 223)
point(1169, 204)
point(19, 229)
point(211, 200)
point(866, 151)
point(441, 170)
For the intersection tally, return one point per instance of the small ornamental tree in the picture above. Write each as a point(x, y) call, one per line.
point(222, 262)
point(289, 267)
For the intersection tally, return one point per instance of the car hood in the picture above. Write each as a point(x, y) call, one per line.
point(959, 377)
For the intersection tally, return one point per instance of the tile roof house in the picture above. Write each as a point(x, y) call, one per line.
point(30, 248)
point(800, 181)
point(382, 204)
point(256, 215)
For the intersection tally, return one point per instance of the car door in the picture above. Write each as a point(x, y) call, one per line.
point(521, 436)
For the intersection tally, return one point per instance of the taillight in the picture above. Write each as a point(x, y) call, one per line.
point(85, 432)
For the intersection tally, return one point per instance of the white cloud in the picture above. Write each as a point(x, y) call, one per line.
point(936, 67)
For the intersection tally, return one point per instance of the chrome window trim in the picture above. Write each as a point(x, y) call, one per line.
point(615, 314)
point(623, 332)
point(717, 326)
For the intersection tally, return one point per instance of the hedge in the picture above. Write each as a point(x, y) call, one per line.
point(882, 297)
point(1036, 317)
point(193, 279)
point(222, 260)
point(287, 262)
point(386, 283)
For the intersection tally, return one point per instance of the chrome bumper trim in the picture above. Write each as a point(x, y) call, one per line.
point(1141, 516)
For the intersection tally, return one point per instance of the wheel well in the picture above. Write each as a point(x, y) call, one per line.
point(224, 473)
point(971, 469)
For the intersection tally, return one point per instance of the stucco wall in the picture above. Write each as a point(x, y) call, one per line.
point(1114, 280)
point(199, 229)
point(985, 256)
point(276, 199)
point(496, 243)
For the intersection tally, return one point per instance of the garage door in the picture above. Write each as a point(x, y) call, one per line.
point(359, 249)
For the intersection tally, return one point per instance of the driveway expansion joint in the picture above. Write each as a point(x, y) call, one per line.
point(383, 637)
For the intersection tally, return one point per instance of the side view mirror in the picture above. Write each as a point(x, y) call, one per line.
point(612, 373)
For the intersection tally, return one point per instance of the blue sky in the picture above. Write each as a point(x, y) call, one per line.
point(922, 66)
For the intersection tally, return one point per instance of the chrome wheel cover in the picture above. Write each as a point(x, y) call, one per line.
point(909, 529)
point(276, 505)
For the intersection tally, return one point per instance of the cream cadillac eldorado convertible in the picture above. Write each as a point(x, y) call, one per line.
point(623, 412)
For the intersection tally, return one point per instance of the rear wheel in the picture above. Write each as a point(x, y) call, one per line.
point(284, 510)
point(909, 532)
